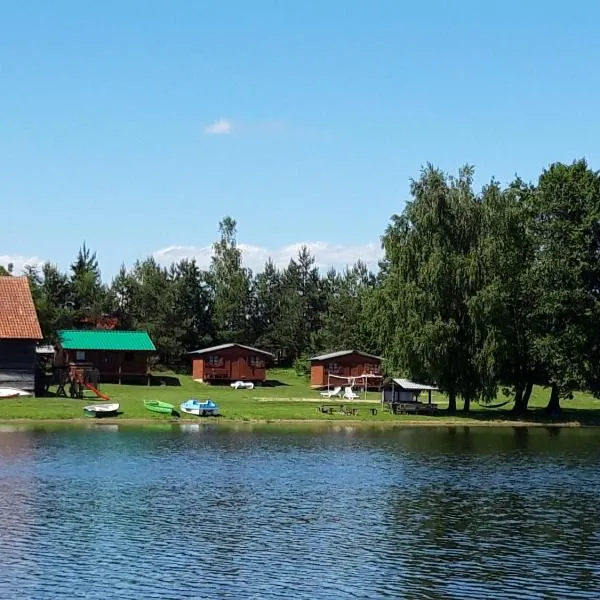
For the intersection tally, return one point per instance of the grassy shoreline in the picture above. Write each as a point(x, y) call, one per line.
point(288, 400)
point(433, 422)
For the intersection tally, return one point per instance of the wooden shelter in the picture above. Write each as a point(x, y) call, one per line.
point(402, 395)
point(118, 356)
point(19, 334)
point(230, 362)
point(346, 367)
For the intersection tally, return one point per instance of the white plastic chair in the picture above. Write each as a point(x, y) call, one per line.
point(349, 394)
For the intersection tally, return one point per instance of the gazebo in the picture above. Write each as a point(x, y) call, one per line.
point(404, 394)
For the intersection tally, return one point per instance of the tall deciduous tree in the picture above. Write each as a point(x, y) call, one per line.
point(567, 276)
point(504, 305)
point(426, 326)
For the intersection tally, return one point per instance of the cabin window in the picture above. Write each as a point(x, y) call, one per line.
point(333, 367)
point(257, 362)
point(128, 357)
point(214, 361)
point(79, 355)
point(372, 368)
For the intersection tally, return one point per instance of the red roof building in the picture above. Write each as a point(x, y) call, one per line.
point(19, 333)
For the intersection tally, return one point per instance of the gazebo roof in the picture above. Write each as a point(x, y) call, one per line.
point(407, 384)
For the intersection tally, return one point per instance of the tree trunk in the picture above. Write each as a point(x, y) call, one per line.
point(553, 408)
point(452, 402)
point(467, 405)
point(522, 396)
point(517, 408)
point(527, 395)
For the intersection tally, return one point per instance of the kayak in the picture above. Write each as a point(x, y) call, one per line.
point(102, 409)
point(159, 407)
point(199, 407)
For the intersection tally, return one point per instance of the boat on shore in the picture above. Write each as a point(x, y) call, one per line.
point(159, 407)
point(8, 392)
point(200, 408)
point(102, 409)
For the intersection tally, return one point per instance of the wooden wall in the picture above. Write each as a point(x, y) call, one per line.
point(17, 364)
point(113, 365)
point(234, 364)
point(350, 365)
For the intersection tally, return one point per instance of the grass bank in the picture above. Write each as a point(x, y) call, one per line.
point(287, 399)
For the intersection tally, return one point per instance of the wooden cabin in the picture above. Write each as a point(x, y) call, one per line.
point(118, 356)
point(345, 367)
point(19, 334)
point(230, 362)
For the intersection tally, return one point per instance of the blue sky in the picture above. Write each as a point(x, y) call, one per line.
point(321, 112)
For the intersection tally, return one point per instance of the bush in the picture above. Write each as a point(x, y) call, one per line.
point(302, 366)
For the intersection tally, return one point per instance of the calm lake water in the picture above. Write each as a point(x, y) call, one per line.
point(272, 512)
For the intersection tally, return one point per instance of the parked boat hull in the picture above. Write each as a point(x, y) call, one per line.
point(7, 392)
point(101, 410)
point(200, 409)
point(159, 407)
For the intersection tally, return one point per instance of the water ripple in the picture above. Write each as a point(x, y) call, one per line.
point(215, 513)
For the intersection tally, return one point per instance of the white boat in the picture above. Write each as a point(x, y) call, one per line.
point(8, 392)
point(242, 385)
point(101, 410)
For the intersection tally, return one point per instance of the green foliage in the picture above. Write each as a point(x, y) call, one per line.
point(302, 366)
point(6, 271)
point(231, 287)
point(477, 291)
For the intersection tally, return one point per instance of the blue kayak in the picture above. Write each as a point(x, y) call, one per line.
point(199, 407)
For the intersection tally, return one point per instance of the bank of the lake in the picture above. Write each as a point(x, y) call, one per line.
point(287, 399)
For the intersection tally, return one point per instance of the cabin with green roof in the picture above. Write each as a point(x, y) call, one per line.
point(118, 356)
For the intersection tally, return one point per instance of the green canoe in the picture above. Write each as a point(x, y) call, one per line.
point(159, 407)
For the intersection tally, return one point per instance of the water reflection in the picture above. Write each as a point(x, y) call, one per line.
point(271, 511)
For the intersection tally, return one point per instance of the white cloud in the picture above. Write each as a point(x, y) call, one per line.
point(326, 255)
point(20, 262)
point(219, 127)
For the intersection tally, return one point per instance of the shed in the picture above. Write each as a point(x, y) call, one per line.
point(119, 356)
point(19, 334)
point(230, 362)
point(399, 391)
point(345, 366)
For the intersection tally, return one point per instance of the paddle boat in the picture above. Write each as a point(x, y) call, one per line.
point(104, 409)
point(159, 407)
point(199, 407)
point(8, 392)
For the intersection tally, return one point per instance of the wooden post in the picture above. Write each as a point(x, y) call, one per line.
point(429, 396)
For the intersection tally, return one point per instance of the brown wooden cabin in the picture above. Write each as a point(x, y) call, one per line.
point(230, 362)
point(338, 369)
point(19, 334)
point(119, 356)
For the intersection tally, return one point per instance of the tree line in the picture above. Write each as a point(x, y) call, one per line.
point(478, 291)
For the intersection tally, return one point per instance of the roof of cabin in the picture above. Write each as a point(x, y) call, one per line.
point(18, 317)
point(344, 353)
point(225, 346)
point(102, 339)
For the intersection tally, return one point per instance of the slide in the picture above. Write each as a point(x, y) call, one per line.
point(97, 392)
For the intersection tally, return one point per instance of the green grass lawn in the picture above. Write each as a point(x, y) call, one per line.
point(290, 398)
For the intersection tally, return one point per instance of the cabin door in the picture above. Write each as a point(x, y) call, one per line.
point(238, 370)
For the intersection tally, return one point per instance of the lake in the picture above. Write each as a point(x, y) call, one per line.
point(294, 512)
